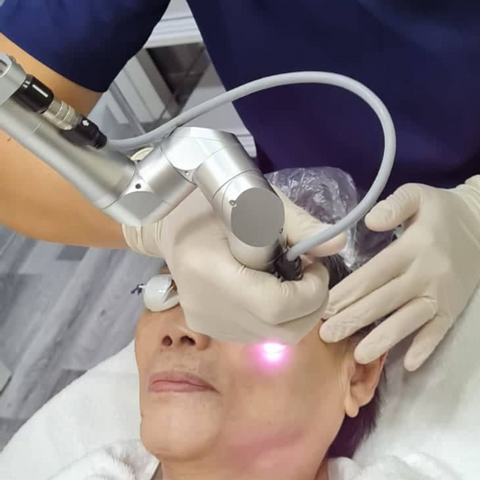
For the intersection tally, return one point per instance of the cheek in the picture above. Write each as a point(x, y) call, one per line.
point(280, 399)
point(272, 355)
point(142, 343)
point(180, 426)
point(259, 364)
point(276, 380)
point(146, 343)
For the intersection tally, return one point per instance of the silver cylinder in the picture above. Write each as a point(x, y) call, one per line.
point(12, 77)
point(251, 209)
point(241, 196)
point(245, 202)
point(255, 216)
point(256, 258)
point(187, 148)
point(157, 189)
point(62, 115)
point(100, 175)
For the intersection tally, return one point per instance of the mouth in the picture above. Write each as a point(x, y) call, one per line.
point(177, 382)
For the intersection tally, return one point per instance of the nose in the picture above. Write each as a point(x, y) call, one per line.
point(176, 334)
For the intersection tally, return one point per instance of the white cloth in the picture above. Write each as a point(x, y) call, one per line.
point(433, 412)
point(121, 461)
point(130, 461)
point(413, 467)
point(98, 409)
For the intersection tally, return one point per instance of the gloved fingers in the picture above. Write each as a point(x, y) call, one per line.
point(287, 333)
point(274, 310)
point(253, 330)
point(426, 341)
point(403, 204)
point(144, 240)
point(292, 332)
point(368, 309)
point(276, 302)
point(333, 246)
point(377, 272)
point(394, 329)
point(222, 331)
point(300, 225)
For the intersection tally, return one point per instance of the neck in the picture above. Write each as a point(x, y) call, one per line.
point(282, 470)
point(252, 454)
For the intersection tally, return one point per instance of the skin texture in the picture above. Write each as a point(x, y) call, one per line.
point(34, 199)
point(262, 420)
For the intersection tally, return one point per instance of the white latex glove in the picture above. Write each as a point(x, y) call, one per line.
point(220, 297)
point(423, 280)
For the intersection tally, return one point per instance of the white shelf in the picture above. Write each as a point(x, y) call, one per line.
point(177, 27)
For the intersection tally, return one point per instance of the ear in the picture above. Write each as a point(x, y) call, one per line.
point(363, 382)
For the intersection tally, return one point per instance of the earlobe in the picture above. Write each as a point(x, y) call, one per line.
point(351, 406)
point(363, 381)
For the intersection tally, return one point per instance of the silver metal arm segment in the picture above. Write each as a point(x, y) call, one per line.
point(102, 175)
point(219, 166)
point(139, 193)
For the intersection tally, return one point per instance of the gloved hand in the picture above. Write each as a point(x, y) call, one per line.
point(222, 298)
point(423, 280)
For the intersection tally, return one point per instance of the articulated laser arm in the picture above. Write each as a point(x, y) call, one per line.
point(142, 192)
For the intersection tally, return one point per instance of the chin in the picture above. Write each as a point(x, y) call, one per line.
point(175, 431)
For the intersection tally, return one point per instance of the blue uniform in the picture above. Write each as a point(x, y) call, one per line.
point(421, 57)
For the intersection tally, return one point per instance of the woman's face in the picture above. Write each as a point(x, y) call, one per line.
point(241, 403)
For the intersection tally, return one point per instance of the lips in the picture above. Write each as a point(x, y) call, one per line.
point(179, 382)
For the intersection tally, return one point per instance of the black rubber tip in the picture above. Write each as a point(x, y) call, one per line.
point(289, 270)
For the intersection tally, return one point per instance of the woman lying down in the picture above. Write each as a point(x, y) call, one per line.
point(215, 410)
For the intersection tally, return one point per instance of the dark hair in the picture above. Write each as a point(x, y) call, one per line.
point(353, 430)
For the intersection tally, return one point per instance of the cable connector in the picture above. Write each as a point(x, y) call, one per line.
point(37, 97)
point(86, 133)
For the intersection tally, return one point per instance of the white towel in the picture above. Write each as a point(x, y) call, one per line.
point(435, 410)
point(121, 461)
point(414, 467)
point(130, 461)
point(98, 409)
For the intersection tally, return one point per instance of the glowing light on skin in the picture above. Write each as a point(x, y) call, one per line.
point(273, 352)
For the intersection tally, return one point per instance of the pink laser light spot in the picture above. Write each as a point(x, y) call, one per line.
point(273, 352)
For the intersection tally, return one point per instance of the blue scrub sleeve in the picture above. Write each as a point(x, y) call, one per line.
point(86, 41)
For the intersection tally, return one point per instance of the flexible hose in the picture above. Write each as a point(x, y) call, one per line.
point(327, 78)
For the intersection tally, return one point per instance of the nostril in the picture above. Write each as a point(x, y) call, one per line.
point(185, 340)
point(167, 341)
